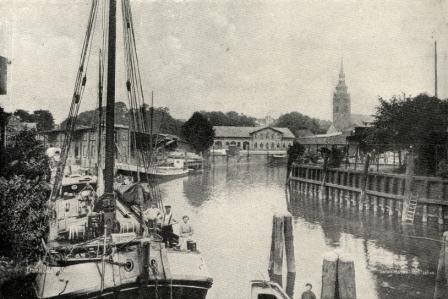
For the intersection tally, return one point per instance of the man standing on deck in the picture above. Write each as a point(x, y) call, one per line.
point(167, 226)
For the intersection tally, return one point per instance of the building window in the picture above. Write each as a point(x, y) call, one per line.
point(238, 144)
point(261, 145)
point(255, 145)
point(272, 145)
point(227, 143)
point(283, 145)
point(278, 145)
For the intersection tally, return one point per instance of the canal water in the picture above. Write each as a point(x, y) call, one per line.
point(231, 208)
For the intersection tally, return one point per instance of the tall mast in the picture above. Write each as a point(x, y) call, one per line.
point(151, 127)
point(435, 69)
point(109, 162)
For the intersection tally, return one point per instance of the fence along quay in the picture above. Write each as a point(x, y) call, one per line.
point(403, 195)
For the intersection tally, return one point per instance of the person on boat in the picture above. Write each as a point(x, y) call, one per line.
point(152, 216)
point(308, 294)
point(185, 231)
point(167, 227)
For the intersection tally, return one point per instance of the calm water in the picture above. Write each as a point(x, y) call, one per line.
point(231, 209)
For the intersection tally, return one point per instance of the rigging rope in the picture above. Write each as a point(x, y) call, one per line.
point(138, 118)
point(79, 88)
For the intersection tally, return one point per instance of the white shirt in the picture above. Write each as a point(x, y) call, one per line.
point(168, 219)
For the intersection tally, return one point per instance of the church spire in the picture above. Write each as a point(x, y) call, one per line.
point(341, 72)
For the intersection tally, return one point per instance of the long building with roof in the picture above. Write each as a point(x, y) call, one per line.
point(253, 138)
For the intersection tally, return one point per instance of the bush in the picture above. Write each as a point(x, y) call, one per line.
point(24, 192)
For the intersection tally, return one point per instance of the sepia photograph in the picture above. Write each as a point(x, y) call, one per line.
point(224, 149)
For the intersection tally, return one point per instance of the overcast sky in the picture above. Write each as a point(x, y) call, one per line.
point(255, 57)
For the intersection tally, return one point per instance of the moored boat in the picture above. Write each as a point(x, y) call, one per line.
point(99, 245)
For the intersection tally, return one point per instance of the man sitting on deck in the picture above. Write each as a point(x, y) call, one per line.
point(185, 232)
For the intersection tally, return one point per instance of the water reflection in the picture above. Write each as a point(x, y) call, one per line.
point(231, 208)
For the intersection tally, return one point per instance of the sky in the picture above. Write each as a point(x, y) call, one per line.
point(255, 57)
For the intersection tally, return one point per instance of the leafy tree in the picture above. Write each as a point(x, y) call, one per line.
point(199, 132)
point(296, 121)
point(23, 115)
point(420, 122)
point(44, 120)
point(231, 118)
point(163, 122)
point(24, 191)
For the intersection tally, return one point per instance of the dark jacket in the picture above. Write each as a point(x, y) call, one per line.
point(308, 295)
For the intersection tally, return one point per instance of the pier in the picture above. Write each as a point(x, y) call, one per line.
point(398, 195)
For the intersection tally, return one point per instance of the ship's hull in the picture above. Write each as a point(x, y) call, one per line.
point(163, 289)
point(177, 274)
point(168, 174)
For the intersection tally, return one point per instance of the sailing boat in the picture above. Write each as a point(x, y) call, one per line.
point(115, 259)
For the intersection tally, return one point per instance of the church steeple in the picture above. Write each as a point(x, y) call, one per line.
point(341, 103)
point(341, 72)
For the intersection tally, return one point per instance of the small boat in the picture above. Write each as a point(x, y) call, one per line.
point(75, 182)
point(263, 289)
point(171, 169)
point(277, 159)
point(168, 172)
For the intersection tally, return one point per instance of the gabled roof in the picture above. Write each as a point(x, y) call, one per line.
point(245, 132)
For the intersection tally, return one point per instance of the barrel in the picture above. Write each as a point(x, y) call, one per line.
point(191, 245)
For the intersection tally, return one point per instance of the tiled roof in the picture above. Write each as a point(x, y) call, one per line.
point(244, 132)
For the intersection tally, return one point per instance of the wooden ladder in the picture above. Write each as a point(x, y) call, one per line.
point(412, 207)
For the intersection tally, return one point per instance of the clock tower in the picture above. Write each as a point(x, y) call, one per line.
point(341, 103)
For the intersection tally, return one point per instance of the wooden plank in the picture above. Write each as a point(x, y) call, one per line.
point(165, 264)
point(346, 277)
point(329, 276)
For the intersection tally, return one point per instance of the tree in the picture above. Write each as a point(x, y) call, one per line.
point(199, 132)
point(419, 122)
point(23, 115)
point(163, 122)
point(296, 121)
point(231, 118)
point(44, 120)
point(24, 191)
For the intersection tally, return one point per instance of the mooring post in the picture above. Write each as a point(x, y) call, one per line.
point(408, 184)
point(365, 175)
point(346, 277)
point(441, 288)
point(278, 249)
point(323, 191)
point(271, 253)
point(290, 258)
point(329, 276)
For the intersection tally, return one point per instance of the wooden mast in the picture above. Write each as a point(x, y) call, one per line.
point(109, 161)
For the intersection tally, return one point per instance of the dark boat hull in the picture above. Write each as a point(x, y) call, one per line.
point(163, 289)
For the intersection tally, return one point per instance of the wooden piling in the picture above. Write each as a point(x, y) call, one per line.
point(408, 184)
point(441, 288)
point(271, 253)
point(346, 277)
point(289, 251)
point(364, 177)
point(278, 249)
point(329, 276)
point(425, 213)
point(440, 216)
point(391, 207)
